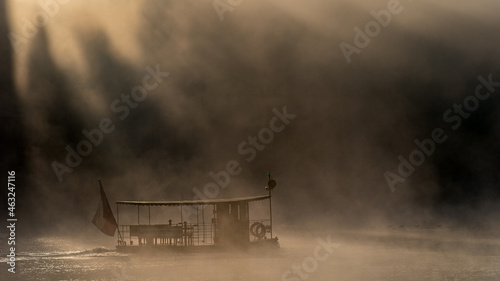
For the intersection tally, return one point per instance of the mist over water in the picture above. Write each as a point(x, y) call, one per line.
point(403, 253)
point(213, 82)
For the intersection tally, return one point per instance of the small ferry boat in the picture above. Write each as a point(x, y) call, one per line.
point(230, 225)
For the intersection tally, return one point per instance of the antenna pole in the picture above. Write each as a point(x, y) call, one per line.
point(270, 206)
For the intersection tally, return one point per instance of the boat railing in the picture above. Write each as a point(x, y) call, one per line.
point(182, 234)
point(166, 234)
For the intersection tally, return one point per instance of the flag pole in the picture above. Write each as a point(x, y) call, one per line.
point(120, 237)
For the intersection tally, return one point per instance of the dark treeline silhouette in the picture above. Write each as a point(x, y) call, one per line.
point(12, 133)
point(353, 120)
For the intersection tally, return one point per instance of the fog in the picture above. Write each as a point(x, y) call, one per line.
point(228, 72)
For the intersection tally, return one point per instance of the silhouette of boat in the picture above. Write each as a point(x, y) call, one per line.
point(230, 225)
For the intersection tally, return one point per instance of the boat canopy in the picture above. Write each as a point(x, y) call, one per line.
point(193, 202)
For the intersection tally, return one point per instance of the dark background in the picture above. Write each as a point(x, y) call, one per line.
point(353, 120)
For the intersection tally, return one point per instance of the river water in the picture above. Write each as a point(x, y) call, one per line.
point(387, 253)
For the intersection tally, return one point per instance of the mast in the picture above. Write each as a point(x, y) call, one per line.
point(270, 185)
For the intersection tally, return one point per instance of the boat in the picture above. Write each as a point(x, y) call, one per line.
point(230, 225)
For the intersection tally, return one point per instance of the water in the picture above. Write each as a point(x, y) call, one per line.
point(402, 253)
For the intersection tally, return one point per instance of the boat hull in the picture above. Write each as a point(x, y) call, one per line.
point(263, 243)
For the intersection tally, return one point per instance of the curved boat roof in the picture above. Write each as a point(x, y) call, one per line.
point(193, 202)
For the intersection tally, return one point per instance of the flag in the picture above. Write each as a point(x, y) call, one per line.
point(104, 219)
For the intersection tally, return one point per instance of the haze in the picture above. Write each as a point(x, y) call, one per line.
point(220, 79)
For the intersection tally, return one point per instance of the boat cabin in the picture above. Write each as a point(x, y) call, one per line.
point(229, 224)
